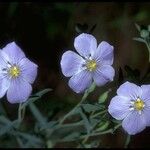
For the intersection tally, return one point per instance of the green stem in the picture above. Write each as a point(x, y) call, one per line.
point(93, 134)
point(127, 141)
point(87, 92)
point(95, 115)
point(19, 113)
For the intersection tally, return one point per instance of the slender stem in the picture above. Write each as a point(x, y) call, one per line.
point(19, 113)
point(93, 134)
point(87, 92)
point(127, 141)
point(95, 115)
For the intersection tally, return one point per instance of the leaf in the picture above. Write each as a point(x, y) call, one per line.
point(71, 136)
point(41, 93)
point(2, 109)
point(37, 114)
point(103, 97)
point(139, 39)
point(138, 27)
point(36, 97)
point(90, 107)
point(31, 139)
point(49, 125)
point(103, 126)
point(7, 127)
point(86, 121)
point(148, 28)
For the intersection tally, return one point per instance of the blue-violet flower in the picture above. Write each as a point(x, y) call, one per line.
point(17, 73)
point(92, 63)
point(132, 105)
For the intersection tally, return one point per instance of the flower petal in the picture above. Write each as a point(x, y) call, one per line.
point(19, 91)
point(129, 90)
point(104, 53)
point(103, 74)
point(71, 63)
point(146, 112)
point(81, 81)
point(4, 85)
point(85, 44)
point(145, 92)
point(134, 123)
point(28, 70)
point(119, 107)
point(14, 53)
point(3, 59)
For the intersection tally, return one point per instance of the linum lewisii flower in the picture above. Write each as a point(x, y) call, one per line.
point(93, 63)
point(132, 105)
point(17, 73)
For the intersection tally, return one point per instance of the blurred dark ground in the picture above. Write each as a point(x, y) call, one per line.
point(45, 30)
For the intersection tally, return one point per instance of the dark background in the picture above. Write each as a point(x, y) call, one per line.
point(45, 30)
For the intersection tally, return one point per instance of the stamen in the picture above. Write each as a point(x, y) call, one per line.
point(91, 65)
point(14, 71)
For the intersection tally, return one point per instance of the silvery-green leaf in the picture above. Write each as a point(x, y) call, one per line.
point(103, 97)
point(138, 27)
point(139, 39)
point(103, 126)
point(37, 114)
point(36, 96)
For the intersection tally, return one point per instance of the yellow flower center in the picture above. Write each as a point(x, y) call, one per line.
point(91, 65)
point(14, 71)
point(139, 104)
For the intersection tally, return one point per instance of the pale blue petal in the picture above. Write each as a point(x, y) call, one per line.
point(80, 81)
point(14, 52)
point(103, 74)
point(28, 70)
point(119, 107)
point(104, 53)
point(71, 63)
point(19, 91)
point(134, 123)
point(129, 90)
point(85, 44)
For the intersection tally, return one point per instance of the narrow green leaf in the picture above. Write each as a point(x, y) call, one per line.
point(90, 107)
point(103, 97)
point(41, 93)
point(7, 127)
point(137, 27)
point(71, 136)
point(139, 39)
point(29, 137)
point(148, 28)
point(37, 114)
point(103, 126)
point(35, 97)
point(86, 121)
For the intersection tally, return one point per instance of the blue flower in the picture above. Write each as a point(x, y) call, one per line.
point(17, 73)
point(92, 64)
point(132, 105)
